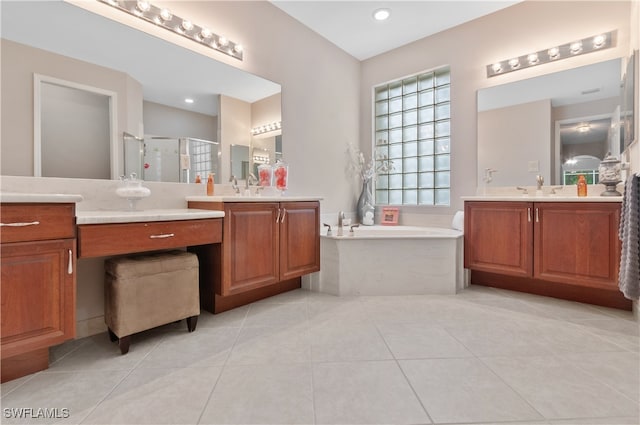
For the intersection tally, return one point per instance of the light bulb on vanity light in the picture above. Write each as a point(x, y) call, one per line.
point(533, 58)
point(222, 41)
point(186, 25)
point(497, 67)
point(514, 63)
point(554, 53)
point(598, 41)
point(575, 47)
point(143, 6)
point(205, 33)
point(166, 15)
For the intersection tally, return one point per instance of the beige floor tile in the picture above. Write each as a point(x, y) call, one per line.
point(272, 345)
point(262, 394)
point(559, 390)
point(271, 314)
point(465, 390)
point(364, 393)
point(332, 342)
point(205, 347)
point(157, 396)
point(420, 340)
point(79, 392)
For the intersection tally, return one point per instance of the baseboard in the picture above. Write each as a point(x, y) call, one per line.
point(89, 327)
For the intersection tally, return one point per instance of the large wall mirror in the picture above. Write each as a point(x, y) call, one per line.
point(151, 79)
point(556, 125)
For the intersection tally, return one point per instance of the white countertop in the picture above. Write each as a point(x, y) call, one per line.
point(39, 197)
point(238, 198)
point(112, 216)
point(544, 198)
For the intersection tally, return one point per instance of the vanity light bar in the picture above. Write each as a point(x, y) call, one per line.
point(184, 27)
point(567, 50)
point(266, 128)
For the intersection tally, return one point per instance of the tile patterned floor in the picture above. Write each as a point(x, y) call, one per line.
point(484, 356)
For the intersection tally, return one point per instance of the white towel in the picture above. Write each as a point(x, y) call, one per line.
point(458, 221)
point(629, 233)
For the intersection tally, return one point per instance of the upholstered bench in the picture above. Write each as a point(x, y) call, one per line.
point(146, 291)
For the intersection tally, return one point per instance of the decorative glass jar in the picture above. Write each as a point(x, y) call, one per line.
point(265, 175)
point(281, 175)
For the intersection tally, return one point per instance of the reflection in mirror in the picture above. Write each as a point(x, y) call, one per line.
point(540, 125)
point(85, 48)
point(170, 159)
point(75, 123)
point(239, 161)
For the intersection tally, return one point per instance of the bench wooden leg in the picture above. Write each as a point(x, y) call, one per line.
point(191, 323)
point(124, 343)
point(112, 337)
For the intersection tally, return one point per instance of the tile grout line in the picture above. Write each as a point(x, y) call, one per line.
point(406, 378)
point(215, 384)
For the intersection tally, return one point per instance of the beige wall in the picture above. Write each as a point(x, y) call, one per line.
point(266, 111)
point(468, 48)
point(19, 63)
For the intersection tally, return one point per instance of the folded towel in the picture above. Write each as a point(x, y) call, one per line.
point(629, 233)
point(458, 221)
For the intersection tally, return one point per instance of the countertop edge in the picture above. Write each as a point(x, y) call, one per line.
point(232, 198)
point(524, 198)
point(44, 198)
point(108, 217)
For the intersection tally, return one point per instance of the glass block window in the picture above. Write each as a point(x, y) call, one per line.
point(412, 128)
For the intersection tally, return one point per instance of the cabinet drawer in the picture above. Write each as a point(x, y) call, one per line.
point(99, 240)
point(36, 222)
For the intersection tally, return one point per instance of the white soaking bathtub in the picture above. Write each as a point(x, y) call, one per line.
point(391, 260)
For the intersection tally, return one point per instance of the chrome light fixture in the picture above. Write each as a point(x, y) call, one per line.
point(551, 54)
point(164, 18)
point(266, 128)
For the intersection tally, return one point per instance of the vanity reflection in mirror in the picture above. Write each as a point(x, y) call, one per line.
point(556, 125)
point(143, 89)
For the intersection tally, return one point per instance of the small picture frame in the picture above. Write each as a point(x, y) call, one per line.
point(389, 216)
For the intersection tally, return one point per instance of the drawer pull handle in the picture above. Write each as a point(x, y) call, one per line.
point(278, 216)
point(529, 215)
point(537, 216)
point(162, 236)
point(70, 265)
point(33, 223)
point(284, 212)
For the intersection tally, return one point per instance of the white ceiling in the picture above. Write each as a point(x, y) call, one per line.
point(350, 24)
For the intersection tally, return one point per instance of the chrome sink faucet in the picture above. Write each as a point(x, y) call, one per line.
point(234, 184)
point(539, 181)
point(340, 221)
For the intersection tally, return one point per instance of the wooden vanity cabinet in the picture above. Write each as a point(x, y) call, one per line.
point(38, 284)
point(499, 237)
point(563, 249)
point(266, 248)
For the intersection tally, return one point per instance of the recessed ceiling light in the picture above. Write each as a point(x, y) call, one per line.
point(188, 100)
point(381, 14)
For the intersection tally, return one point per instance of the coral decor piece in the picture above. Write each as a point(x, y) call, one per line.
point(281, 174)
point(265, 175)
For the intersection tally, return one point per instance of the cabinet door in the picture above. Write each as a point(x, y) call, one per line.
point(250, 246)
point(577, 243)
point(38, 295)
point(498, 237)
point(299, 239)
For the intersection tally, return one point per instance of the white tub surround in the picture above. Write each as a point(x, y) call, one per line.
point(391, 260)
point(106, 216)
